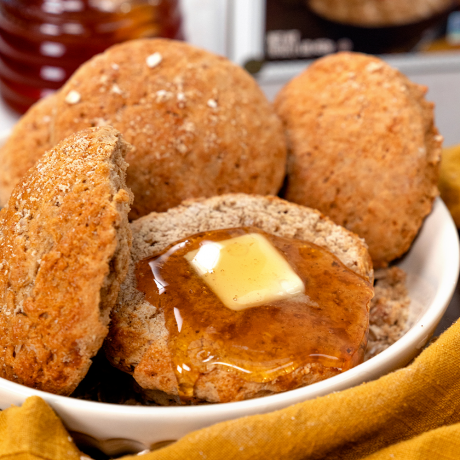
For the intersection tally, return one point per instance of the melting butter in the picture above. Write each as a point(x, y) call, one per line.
point(245, 271)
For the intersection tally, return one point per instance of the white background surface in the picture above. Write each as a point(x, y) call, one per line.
point(444, 91)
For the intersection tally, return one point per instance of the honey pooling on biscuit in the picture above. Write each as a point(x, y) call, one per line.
point(326, 324)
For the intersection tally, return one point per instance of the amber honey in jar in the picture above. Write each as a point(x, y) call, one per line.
point(42, 42)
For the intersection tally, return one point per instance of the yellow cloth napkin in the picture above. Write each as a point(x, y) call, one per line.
point(409, 414)
point(351, 424)
point(449, 181)
point(33, 432)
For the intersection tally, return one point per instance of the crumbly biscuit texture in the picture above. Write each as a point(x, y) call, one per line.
point(138, 339)
point(449, 181)
point(363, 149)
point(64, 250)
point(200, 125)
point(389, 311)
point(378, 13)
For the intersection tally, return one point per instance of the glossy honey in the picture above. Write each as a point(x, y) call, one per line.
point(327, 324)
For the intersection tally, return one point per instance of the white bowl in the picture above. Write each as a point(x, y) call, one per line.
point(432, 266)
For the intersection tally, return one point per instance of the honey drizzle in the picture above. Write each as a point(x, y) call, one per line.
point(327, 325)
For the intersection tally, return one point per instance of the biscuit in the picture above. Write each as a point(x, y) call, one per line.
point(378, 13)
point(64, 250)
point(138, 338)
point(363, 149)
point(200, 125)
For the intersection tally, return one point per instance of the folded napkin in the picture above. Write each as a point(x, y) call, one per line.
point(409, 414)
point(34, 431)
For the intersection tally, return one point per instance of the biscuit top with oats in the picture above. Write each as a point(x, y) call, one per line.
point(200, 124)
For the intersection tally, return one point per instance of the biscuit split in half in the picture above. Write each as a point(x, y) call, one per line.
point(139, 341)
point(64, 250)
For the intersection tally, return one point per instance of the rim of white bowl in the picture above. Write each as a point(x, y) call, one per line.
point(410, 339)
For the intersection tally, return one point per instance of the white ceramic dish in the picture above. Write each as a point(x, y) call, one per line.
point(432, 266)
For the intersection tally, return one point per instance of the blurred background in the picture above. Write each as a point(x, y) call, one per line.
point(43, 41)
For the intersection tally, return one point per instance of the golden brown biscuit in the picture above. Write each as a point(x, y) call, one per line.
point(200, 124)
point(138, 338)
point(378, 13)
point(64, 248)
point(363, 149)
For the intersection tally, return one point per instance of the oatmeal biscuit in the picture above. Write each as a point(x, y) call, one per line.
point(64, 250)
point(200, 125)
point(363, 149)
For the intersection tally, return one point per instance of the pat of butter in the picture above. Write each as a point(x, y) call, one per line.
point(245, 271)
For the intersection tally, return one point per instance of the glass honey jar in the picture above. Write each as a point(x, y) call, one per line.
point(42, 42)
